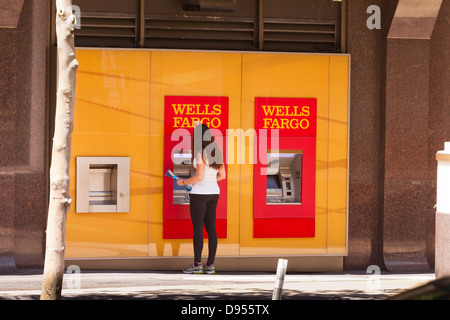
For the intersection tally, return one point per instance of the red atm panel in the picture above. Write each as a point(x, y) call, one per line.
point(284, 175)
point(181, 115)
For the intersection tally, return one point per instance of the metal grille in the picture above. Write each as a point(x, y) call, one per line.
point(308, 26)
point(199, 32)
point(300, 35)
point(107, 30)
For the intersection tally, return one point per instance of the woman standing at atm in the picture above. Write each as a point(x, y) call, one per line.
point(208, 162)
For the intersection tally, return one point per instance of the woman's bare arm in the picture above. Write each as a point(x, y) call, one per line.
point(221, 174)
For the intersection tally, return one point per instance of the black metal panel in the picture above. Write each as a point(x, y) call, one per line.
point(282, 25)
point(199, 32)
point(209, 5)
point(106, 30)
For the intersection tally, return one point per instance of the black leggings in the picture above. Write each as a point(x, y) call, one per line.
point(203, 211)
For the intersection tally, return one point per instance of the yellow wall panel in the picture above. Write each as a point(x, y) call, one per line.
point(192, 74)
point(111, 118)
point(119, 111)
point(338, 141)
point(278, 75)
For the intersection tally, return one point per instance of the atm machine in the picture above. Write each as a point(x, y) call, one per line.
point(284, 181)
point(178, 158)
point(183, 169)
point(284, 175)
point(176, 215)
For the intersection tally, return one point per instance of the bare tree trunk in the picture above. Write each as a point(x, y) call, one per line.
point(59, 172)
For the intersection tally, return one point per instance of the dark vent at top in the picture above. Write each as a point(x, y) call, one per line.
point(300, 35)
point(107, 30)
point(204, 32)
point(209, 5)
point(246, 25)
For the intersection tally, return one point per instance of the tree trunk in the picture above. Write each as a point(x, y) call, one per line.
point(60, 163)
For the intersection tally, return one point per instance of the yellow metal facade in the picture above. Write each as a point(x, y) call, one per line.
point(119, 111)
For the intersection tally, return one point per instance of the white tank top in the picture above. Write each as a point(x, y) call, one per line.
point(209, 183)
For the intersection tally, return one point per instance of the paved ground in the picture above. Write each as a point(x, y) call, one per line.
point(121, 285)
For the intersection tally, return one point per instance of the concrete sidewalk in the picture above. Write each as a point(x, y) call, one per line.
point(112, 285)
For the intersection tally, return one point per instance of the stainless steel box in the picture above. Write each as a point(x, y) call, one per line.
point(103, 184)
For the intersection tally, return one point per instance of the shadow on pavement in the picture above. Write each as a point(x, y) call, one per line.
point(199, 295)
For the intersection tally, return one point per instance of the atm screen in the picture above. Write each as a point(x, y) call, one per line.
point(273, 182)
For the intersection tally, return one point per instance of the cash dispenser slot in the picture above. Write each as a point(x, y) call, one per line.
point(182, 168)
point(103, 184)
point(284, 183)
